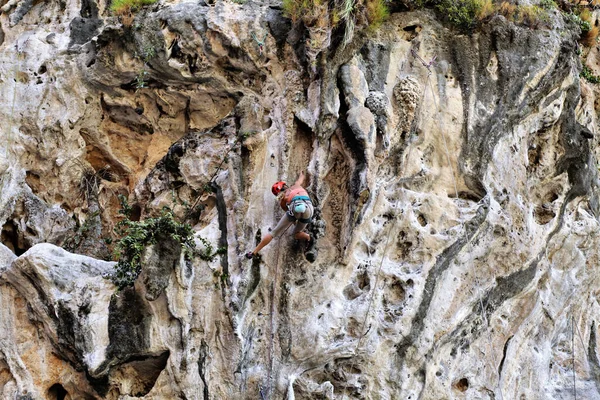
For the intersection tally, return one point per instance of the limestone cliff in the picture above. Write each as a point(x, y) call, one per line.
point(457, 206)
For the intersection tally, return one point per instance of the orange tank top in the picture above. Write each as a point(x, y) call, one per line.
point(286, 200)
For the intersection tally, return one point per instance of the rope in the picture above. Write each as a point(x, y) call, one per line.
point(470, 261)
point(214, 175)
point(573, 354)
point(438, 114)
point(372, 294)
point(454, 179)
point(439, 120)
point(272, 312)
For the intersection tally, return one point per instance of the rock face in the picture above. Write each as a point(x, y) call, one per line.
point(456, 205)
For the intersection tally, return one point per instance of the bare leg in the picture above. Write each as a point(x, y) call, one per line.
point(302, 236)
point(265, 241)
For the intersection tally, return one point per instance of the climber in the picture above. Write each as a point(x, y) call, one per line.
point(299, 210)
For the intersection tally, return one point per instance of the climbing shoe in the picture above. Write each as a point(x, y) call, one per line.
point(311, 250)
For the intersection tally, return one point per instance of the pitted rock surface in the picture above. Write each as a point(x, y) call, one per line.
point(456, 223)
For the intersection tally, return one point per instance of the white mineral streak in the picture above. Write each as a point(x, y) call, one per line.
point(457, 220)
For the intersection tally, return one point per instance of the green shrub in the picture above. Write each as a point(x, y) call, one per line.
point(585, 27)
point(377, 12)
point(137, 235)
point(126, 6)
point(461, 13)
point(576, 20)
point(331, 14)
point(589, 76)
point(548, 4)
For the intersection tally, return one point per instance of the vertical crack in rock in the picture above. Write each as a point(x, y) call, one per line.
point(222, 215)
point(202, 361)
point(283, 327)
point(69, 335)
point(576, 160)
point(328, 69)
point(504, 355)
point(593, 357)
point(129, 352)
point(443, 262)
point(254, 280)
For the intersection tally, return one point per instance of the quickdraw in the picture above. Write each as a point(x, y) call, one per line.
point(260, 43)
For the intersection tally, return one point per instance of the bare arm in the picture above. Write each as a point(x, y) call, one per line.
point(300, 180)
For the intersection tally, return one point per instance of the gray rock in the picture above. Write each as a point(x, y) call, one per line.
point(6, 257)
point(354, 84)
point(378, 103)
point(362, 123)
point(70, 298)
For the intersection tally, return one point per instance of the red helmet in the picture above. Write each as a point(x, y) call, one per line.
point(277, 187)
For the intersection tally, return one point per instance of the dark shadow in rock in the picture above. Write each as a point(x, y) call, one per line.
point(128, 117)
point(128, 325)
point(83, 30)
point(10, 238)
point(140, 373)
point(57, 391)
point(159, 261)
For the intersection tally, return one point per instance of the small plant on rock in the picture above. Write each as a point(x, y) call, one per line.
point(137, 235)
point(140, 80)
point(323, 15)
point(589, 76)
point(548, 4)
point(377, 13)
point(532, 16)
point(126, 9)
point(465, 14)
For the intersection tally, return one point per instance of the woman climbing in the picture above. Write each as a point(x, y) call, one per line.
point(299, 210)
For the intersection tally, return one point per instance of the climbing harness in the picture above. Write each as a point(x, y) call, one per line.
point(260, 43)
point(298, 205)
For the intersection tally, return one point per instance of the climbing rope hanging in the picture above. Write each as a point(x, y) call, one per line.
point(573, 355)
point(392, 234)
point(270, 357)
point(454, 182)
point(428, 84)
